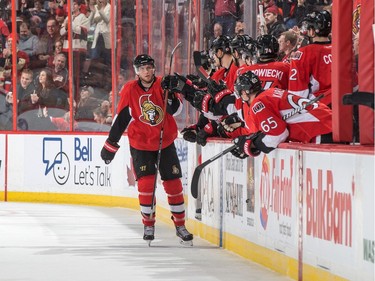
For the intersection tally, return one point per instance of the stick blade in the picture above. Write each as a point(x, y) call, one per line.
point(197, 58)
point(195, 181)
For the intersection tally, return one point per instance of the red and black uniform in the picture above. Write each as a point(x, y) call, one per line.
point(272, 75)
point(140, 110)
point(310, 71)
point(266, 113)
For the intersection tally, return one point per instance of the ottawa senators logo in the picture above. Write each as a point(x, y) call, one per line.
point(151, 113)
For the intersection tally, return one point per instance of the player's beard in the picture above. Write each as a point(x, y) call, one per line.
point(147, 82)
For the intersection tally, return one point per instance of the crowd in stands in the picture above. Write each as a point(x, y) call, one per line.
point(42, 45)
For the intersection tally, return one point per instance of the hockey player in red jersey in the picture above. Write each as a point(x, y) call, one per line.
point(222, 54)
point(310, 66)
point(140, 111)
point(265, 117)
point(272, 73)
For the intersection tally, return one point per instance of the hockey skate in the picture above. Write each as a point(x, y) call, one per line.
point(148, 235)
point(186, 238)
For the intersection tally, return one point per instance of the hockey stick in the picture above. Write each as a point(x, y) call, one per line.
point(165, 95)
point(199, 168)
point(262, 24)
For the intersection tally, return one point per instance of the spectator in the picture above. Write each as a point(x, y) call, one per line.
point(273, 23)
point(287, 43)
point(240, 28)
point(101, 45)
point(80, 27)
point(38, 11)
point(60, 17)
point(302, 10)
point(6, 64)
point(99, 115)
point(47, 42)
point(36, 26)
point(47, 94)
point(121, 80)
point(57, 49)
point(105, 108)
point(60, 73)
point(4, 33)
point(61, 123)
point(87, 103)
point(311, 65)
point(25, 88)
point(226, 15)
point(218, 30)
point(28, 41)
point(288, 8)
point(6, 113)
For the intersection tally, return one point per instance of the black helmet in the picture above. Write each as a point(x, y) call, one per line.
point(221, 42)
point(248, 82)
point(240, 42)
point(320, 21)
point(206, 60)
point(267, 47)
point(143, 60)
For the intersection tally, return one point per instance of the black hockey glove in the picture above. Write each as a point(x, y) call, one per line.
point(237, 153)
point(108, 151)
point(245, 144)
point(202, 101)
point(210, 130)
point(214, 88)
point(190, 133)
point(197, 81)
point(169, 82)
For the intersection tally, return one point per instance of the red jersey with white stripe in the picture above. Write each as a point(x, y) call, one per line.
point(310, 71)
point(266, 114)
point(146, 110)
point(272, 74)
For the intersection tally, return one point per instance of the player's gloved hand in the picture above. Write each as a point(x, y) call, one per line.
point(232, 122)
point(190, 133)
point(108, 151)
point(197, 81)
point(237, 153)
point(245, 144)
point(169, 82)
point(202, 101)
point(209, 130)
point(213, 88)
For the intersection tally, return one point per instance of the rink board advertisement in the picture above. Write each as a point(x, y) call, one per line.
point(68, 164)
point(338, 214)
point(276, 182)
point(72, 164)
point(210, 182)
point(2, 162)
point(239, 197)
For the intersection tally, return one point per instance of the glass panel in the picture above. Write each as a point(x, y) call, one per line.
point(6, 98)
point(42, 82)
point(92, 68)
